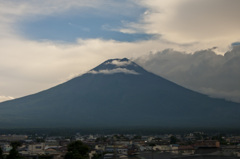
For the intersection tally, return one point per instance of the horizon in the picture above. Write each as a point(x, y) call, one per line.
point(121, 130)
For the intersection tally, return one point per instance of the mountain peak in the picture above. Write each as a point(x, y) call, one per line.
point(118, 93)
point(119, 62)
point(113, 66)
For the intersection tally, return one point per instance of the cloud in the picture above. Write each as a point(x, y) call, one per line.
point(187, 21)
point(13, 12)
point(119, 63)
point(203, 71)
point(4, 98)
point(113, 71)
point(28, 67)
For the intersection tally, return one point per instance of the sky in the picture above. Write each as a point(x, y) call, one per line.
point(193, 43)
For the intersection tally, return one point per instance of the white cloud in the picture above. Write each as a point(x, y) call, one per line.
point(113, 71)
point(5, 98)
point(187, 21)
point(217, 93)
point(119, 63)
point(28, 67)
point(203, 71)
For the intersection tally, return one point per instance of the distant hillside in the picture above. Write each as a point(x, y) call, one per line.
point(118, 93)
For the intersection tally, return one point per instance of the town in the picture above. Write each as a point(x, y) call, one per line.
point(123, 145)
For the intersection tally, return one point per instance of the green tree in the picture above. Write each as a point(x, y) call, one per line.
point(137, 137)
point(39, 140)
point(97, 156)
point(220, 138)
point(173, 140)
point(1, 153)
point(77, 150)
point(101, 139)
point(152, 144)
point(13, 154)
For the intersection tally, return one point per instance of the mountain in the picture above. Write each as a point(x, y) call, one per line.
point(118, 93)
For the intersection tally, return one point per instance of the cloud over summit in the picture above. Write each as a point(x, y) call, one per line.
point(119, 63)
point(113, 71)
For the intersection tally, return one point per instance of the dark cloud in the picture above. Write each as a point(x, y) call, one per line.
point(203, 71)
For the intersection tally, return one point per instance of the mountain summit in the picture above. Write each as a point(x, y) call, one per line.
point(118, 66)
point(118, 93)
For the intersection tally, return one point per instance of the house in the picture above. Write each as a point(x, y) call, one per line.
point(207, 143)
point(186, 150)
point(174, 148)
point(37, 148)
point(162, 148)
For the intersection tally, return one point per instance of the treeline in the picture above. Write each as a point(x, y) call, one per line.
point(122, 130)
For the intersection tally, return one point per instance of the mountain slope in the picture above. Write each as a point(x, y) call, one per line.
point(118, 93)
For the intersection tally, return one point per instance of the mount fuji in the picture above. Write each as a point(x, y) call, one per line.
point(118, 93)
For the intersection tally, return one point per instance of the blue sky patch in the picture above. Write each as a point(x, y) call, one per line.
point(235, 43)
point(82, 25)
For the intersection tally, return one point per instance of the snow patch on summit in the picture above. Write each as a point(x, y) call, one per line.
point(116, 70)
